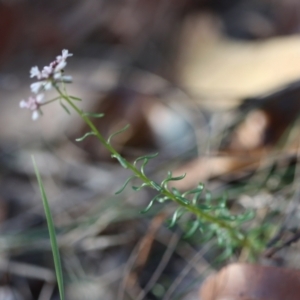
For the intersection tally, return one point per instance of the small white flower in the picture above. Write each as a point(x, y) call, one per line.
point(40, 98)
point(36, 87)
point(48, 77)
point(33, 103)
point(23, 104)
point(60, 61)
point(57, 76)
point(39, 86)
point(60, 66)
point(65, 55)
point(35, 72)
point(46, 72)
point(35, 115)
point(50, 74)
point(48, 85)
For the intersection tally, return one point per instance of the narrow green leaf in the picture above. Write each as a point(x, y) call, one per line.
point(177, 178)
point(75, 98)
point(208, 197)
point(65, 108)
point(164, 182)
point(85, 136)
point(116, 133)
point(94, 115)
point(177, 214)
point(201, 227)
point(208, 234)
point(223, 200)
point(143, 166)
point(182, 200)
point(170, 178)
point(52, 234)
point(148, 156)
point(124, 185)
point(162, 199)
point(197, 190)
point(227, 217)
point(148, 206)
point(138, 188)
point(176, 192)
point(193, 229)
point(247, 216)
point(205, 207)
point(225, 255)
point(121, 160)
point(240, 236)
point(156, 186)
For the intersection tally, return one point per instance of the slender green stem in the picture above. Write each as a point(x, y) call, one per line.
point(49, 101)
point(236, 235)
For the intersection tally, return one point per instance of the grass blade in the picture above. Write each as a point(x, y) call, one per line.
point(51, 229)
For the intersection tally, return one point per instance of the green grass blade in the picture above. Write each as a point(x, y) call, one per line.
point(51, 229)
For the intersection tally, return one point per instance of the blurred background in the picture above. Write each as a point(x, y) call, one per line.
point(211, 85)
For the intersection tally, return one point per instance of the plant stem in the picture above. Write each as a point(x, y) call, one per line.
point(235, 234)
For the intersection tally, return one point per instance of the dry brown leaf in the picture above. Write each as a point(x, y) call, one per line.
point(230, 70)
point(252, 282)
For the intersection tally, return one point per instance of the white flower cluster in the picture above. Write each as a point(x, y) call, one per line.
point(50, 74)
point(33, 103)
point(47, 78)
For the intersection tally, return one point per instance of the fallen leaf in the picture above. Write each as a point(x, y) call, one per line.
point(252, 282)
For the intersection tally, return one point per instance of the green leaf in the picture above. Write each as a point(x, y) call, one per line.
point(162, 199)
point(176, 192)
point(227, 217)
point(65, 108)
point(178, 177)
point(146, 159)
point(148, 156)
point(75, 98)
point(94, 115)
point(208, 234)
point(177, 214)
point(156, 186)
point(149, 205)
point(221, 237)
point(205, 207)
point(192, 230)
point(138, 188)
point(222, 201)
point(208, 197)
point(116, 133)
point(170, 178)
point(52, 234)
point(124, 185)
point(121, 160)
point(143, 166)
point(197, 190)
point(247, 216)
point(85, 136)
point(182, 200)
point(225, 255)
